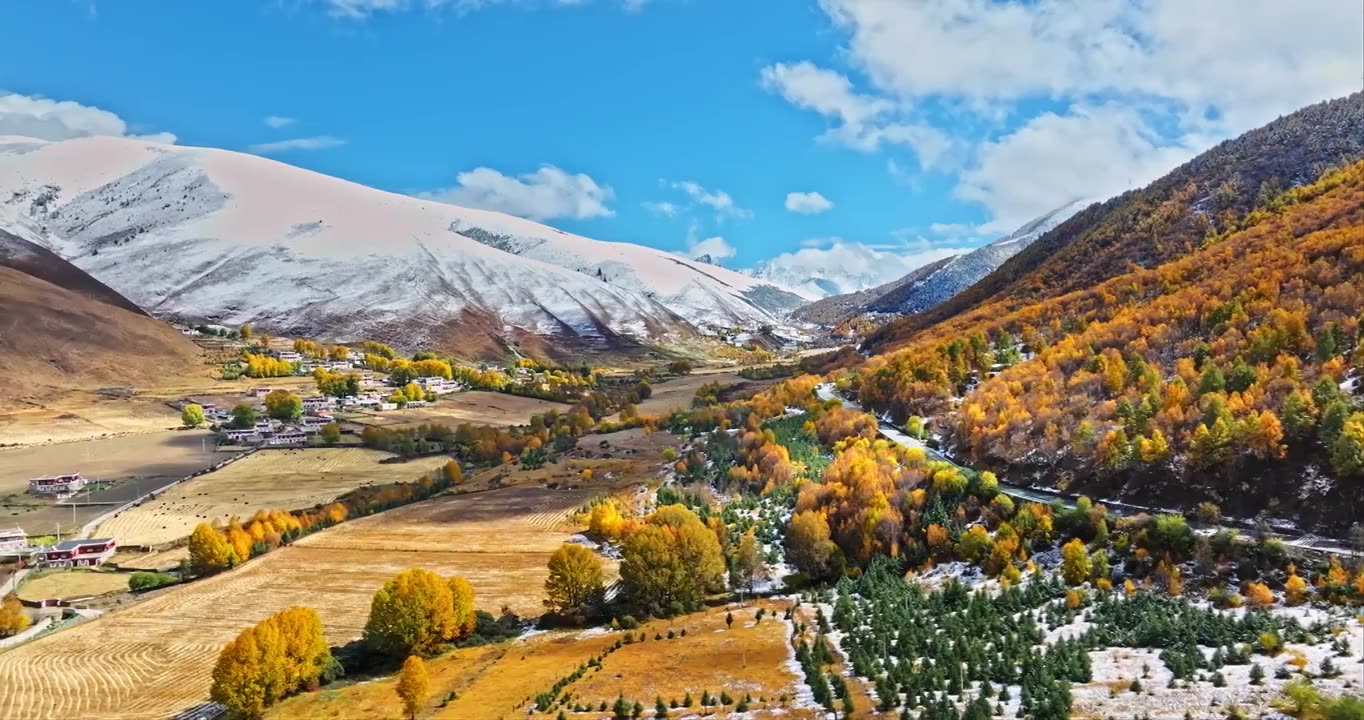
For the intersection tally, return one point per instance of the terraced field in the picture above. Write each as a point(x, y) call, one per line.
point(153, 659)
point(266, 480)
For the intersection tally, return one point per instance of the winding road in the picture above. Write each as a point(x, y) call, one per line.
point(1302, 541)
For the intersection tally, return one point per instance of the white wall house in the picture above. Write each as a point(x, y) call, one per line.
point(13, 539)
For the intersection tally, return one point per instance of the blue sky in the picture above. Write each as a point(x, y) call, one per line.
point(921, 124)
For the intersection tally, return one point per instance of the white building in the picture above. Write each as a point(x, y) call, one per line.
point(59, 485)
point(288, 356)
point(288, 437)
point(246, 436)
point(318, 402)
point(13, 539)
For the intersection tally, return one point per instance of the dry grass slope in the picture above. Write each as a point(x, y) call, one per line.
point(265, 480)
point(153, 659)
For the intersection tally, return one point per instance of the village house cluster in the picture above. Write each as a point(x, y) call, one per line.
point(80, 552)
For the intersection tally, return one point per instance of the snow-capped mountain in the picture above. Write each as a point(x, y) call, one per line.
point(927, 286)
point(841, 268)
point(965, 270)
point(201, 233)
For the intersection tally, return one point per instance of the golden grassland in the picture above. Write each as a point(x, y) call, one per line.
point(476, 406)
point(71, 584)
point(155, 561)
point(67, 416)
point(500, 683)
point(153, 659)
point(289, 479)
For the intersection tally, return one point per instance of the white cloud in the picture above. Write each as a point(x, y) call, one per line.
point(544, 194)
point(664, 208)
point(39, 117)
point(716, 247)
point(278, 121)
point(808, 203)
point(1249, 61)
point(717, 200)
point(862, 122)
point(1053, 159)
point(1153, 81)
point(833, 265)
point(319, 142)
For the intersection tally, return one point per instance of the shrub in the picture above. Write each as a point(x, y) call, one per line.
point(141, 581)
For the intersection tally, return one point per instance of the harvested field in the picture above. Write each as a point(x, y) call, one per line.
point(747, 659)
point(265, 480)
point(85, 414)
point(71, 584)
point(483, 408)
point(158, 561)
point(503, 683)
point(135, 464)
point(154, 658)
point(677, 394)
point(623, 458)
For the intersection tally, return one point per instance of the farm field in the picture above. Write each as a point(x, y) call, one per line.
point(135, 463)
point(72, 584)
point(154, 658)
point(265, 480)
point(83, 415)
point(620, 458)
point(475, 406)
point(677, 394)
point(502, 682)
point(157, 561)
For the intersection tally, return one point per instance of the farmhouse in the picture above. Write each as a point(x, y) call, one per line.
point(261, 392)
point(76, 553)
point(13, 539)
point(318, 402)
point(248, 435)
point(288, 437)
point(288, 356)
point(58, 485)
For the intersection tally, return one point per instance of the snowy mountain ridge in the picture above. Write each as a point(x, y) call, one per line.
point(208, 234)
point(928, 285)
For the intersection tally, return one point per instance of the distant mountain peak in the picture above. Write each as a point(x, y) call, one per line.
point(215, 235)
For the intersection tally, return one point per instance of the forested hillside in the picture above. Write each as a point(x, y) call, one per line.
point(1166, 220)
point(1232, 374)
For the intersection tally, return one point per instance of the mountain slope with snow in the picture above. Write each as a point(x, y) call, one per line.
point(217, 235)
point(931, 284)
point(965, 270)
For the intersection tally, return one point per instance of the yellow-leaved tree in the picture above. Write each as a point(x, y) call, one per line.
point(416, 611)
point(283, 654)
point(462, 602)
point(413, 685)
point(1075, 562)
point(575, 579)
point(671, 562)
point(209, 551)
point(13, 619)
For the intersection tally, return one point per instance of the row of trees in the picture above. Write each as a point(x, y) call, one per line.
point(214, 549)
